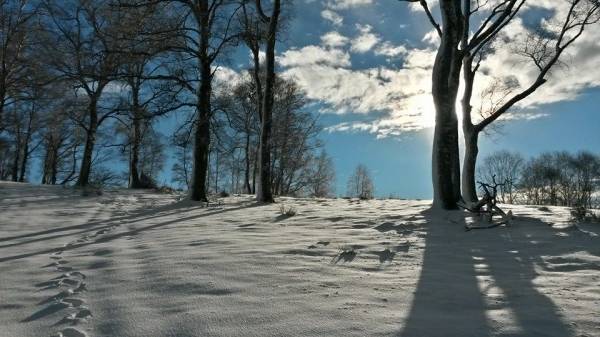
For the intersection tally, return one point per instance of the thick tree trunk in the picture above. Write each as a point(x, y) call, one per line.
point(255, 168)
point(15, 166)
point(46, 168)
point(134, 179)
point(469, 189)
point(24, 161)
point(54, 165)
point(202, 136)
point(264, 191)
point(198, 191)
point(446, 79)
point(2, 102)
point(247, 167)
point(90, 141)
point(216, 171)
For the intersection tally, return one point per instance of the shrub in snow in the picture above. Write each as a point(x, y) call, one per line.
point(582, 214)
point(287, 211)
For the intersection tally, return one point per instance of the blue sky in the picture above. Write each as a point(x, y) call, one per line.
point(366, 67)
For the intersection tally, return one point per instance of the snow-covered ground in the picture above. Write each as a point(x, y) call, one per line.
point(133, 263)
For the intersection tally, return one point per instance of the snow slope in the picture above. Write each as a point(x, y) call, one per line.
point(134, 263)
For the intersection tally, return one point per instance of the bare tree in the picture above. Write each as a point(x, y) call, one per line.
point(60, 140)
point(182, 168)
point(360, 183)
point(542, 48)
point(207, 29)
point(322, 177)
point(15, 39)
point(445, 84)
point(264, 191)
point(561, 179)
point(463, 47)
point(506, 168)
point(142, 44)
point(244, 117)
point(81, 50)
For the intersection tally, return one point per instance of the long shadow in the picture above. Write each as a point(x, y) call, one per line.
point(97, 225)
point(473, 289)
point(447, 301)
point(131, 232)
point(137, 216)
point(150, 214)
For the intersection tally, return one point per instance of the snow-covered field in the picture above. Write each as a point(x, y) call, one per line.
point(133, 263)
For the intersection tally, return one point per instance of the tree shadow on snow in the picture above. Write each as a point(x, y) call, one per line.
point(177, 209)
point(474, 288)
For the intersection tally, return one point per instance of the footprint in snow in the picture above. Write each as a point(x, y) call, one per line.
point(102, 231)
point(73, 302)
point(76, 318)
point(70, 332)
point(58, 297)
point(64, 268)
point(55, 264)
point(56, 283)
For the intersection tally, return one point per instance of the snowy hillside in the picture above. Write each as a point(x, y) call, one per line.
point(133, 263)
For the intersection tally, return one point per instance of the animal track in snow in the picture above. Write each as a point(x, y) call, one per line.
point(56, 283)
point(70, 332)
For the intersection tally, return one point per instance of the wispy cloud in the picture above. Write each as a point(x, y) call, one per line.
point(398, 93)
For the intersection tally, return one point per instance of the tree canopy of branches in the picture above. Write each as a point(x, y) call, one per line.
point(467, 32)
point(81, 49)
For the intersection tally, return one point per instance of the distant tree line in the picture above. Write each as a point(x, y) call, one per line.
point(552, 178)
point(85, 84)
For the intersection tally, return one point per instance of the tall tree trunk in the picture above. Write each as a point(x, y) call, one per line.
point(255, 49)
point(255, 168)
point(134, 179)
point(17, 158)
point(247, 163)
point(469, 191)
point(264, 191)
point(470, 132)
point(2, 100)
point(54, 165)
point(216, 171)
point(46, 168)
point(446, 79)
point(202, 136)
point(90, 141)
point(198, 191)
point(24, 160)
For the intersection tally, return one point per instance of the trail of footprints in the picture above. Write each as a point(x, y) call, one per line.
point(70, 285)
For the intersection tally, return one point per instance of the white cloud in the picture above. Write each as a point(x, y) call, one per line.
point(403, 94)
point(388, 49)
point(334, 39)
point(416, 6)
point(332, 16)
point(314, 55)
point(432, 37)
point(365, 41)
point(346, 4)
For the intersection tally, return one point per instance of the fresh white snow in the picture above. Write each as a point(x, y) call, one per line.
point(135, 263)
